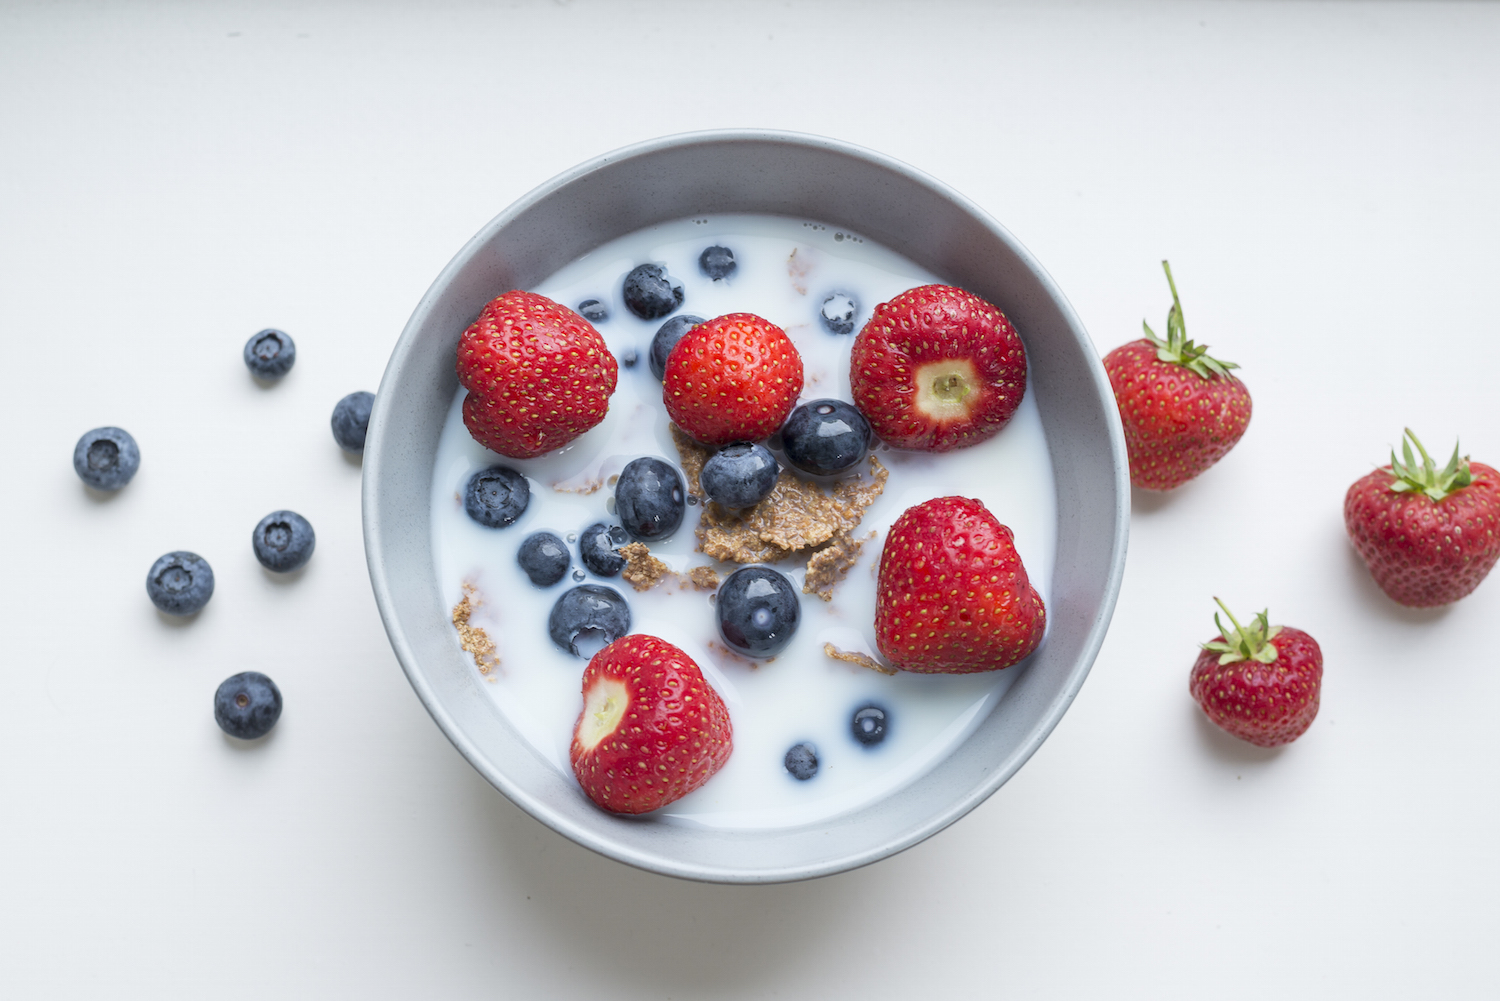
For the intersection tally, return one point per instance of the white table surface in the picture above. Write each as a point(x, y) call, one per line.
point(176, 177)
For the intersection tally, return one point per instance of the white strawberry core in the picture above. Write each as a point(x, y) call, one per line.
point(943, 388)
point(603, 708)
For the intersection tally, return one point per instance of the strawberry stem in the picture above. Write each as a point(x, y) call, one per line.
point(1177, 349)
point(1427, 478)
point(1242, 642)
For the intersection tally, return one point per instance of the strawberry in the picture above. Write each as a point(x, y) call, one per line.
point(537, 373)
point(952, 596)
point(1428, 535)
point(937, 368)
point(1259, 683)
point(652, 729)
point(1182, 410)
point(734, 378)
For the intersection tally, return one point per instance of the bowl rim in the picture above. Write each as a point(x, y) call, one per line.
point(535, 806)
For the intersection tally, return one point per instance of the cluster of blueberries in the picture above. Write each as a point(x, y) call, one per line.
point(757, 608)
point(248, 704)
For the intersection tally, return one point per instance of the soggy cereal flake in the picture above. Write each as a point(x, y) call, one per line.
point(829, 564)
point(704, 578)
point(643, 570)
point(853, 657)
point(474, 640)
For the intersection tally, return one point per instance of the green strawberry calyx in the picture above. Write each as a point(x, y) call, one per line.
point(1252, 642)
point(1427, 478)
point(1177, 349)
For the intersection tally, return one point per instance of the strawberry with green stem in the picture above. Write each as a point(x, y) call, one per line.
point(1181, 408)
point(1260, 683)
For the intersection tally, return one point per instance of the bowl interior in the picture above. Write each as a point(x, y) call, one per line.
point(779, 174)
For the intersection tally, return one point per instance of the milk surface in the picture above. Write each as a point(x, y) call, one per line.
point(786, 269)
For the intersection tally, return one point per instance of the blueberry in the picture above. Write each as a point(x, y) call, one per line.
point(591, 612)
point(825, 437)
point(758, 611)
point(180, 583)
point(593, 310)
point(802, 761)
point(629, 357)
point(544, 557)
point(351, 419)
point(838, 312)
point(597, 545)
point(666, 339)
point(270, 354)
point(497, 496)
point(868, 724)
point(247, 705)
point(717, 262)
point(650, 498)
point(283, 541)
point(106, 458)
point(739, 475)
point(650, 292)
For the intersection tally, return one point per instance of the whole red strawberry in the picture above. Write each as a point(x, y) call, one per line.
point(652, 729)
point(537, 373)
point(734, 378)
point(952, 596)
point(937, 368)
point(1182, 410)
point(1428, 535)
point(1259, 683)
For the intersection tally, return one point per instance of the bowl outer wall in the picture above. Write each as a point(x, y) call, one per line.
point(788, 174)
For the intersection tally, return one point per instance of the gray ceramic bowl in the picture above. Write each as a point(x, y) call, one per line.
point(782, 174)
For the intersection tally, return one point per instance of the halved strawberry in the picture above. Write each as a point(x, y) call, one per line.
point(734, 378)
point(652, 729)
point(937, 368)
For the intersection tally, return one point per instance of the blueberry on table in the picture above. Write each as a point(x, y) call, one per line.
point(270, 354)
point(283, 541)
point(106, 458)
point(650, 292)
point(589, 612)
point(825, 437)
point(739, 475)
point(593, 310)
point(802, 761)
point(758, 611)
point(667, 336)
point(351, 419)
point(868, 724)
point(650, 498)
point(497, 496)
point(544, 557)
point(717, 262)
point(597, 545)
point(180, 583)
point(838, 312)
point(247, 705)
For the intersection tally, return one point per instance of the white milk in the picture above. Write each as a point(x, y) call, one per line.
point(801, 695)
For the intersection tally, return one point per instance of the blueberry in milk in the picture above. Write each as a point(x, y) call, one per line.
point(650, 499)
point(593, 310)
point(629, 357)
point(740, 475)
point(825, 437)
point(667, 336)
point(597, 545)
point(838, 312)
point(802, 761)
point(758, 611)
point(497, 496)
point(650, 292)
point(544, 558)
point(868, 724)
point(717, 262)
point(588, 618)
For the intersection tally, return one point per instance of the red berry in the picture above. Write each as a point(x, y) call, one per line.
point(1181, 409)
point(537, 373)
point(734, 378)
point(937, 368)
point(953, 596)
point(1259, 683)
point(652, 729)
point(1428, 535)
